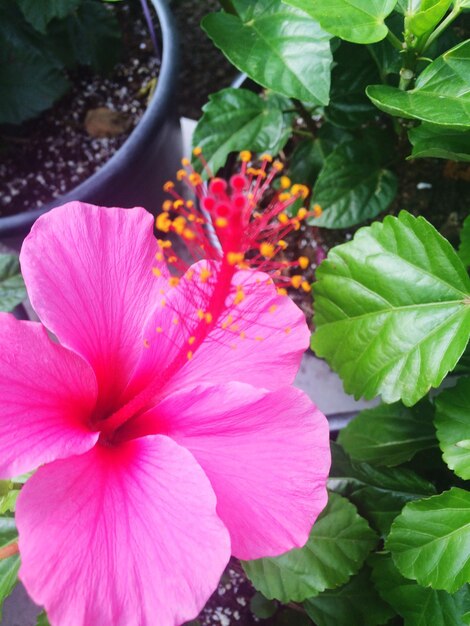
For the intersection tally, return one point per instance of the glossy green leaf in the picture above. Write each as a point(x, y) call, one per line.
point(26, 73)
point(359, 21)
point(441, 94)
point(353, 71)
point(433, 141)
point(419, 606)
point(352, 187)
point(357, 603)
point(464, 248)
point(238, 119)
point(277, 46)
point(338, 545)
point(389, 434)
point(8, 567)
point(306, 161)
point(379, 493)
point(430, 540)
point(426, 18)
point(392, 310)
point(453, 427)
point(39, 14)
point(12, 288)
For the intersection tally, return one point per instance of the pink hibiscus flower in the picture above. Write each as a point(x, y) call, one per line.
point(165, 439)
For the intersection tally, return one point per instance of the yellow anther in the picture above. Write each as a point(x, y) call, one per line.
point(208, 318)
point(178, 203)
point(285, 182)
point(221, 222)
point(191, 218)
point(159, 329)
point(306, 286)
point(189, 204)
point(157, 271)
point(175, 321)
point(204, 275)
point(195, 179)
point(266, 157)
point(197, 151)
point(267, 250)
point(239, 296)
point(304, 262)
point(185, 162)
point(188, 234)
point(168, 185)
point(302, 213)
point(172, 259)
point(282, 244)
point(164, 244)
point(179, 224)
point(245, 156)
point(317, 210)
point(278, 166)
point(191, 340)
point(146, 343)
point(296, 281)
point(283, 218)
point(300, 190)
point(163, 222)
point(235, 257)
point(200, 314)
point(285, 195)
point(189, 355)
point(272, 308)
point(173, 281)
point(180, 174)
point(287, 330)
point(296, 224)
point(167, 205)
point(281, 291)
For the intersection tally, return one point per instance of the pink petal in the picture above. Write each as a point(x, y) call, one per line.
point(260, 340)
point(121, 536)
point(266, 454)
point(47, 397)
point(89, 276)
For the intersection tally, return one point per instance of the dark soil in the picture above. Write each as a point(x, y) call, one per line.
point(53, 153)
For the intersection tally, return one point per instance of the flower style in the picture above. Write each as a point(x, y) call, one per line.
point(163, 424)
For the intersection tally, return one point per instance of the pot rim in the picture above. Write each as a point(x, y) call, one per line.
point(153, 118)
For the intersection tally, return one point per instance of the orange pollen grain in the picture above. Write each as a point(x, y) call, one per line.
point(267, 250)
point(296, 281)
point(304, 262)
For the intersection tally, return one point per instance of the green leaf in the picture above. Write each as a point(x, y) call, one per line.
point(338, 545)
point(359, 21)
point(39, 14)
point(353, 71)
point(30, 85)
point(262, 607)
point(238, 119)
point(428, 16)
point(12, 289)
point(439, 142)
point(392, 310)
point(43, 621)
point(352, 187)
point(8, 501)
point(306, 161)
point(290, 617)
point(279, 47)
point(441, 95)
point(419, 606)
point(389, 434)
point(430, 540)
point(464, 248)
point(379, 493)
point(356, 604)
point(8, 567)
point(453, 427)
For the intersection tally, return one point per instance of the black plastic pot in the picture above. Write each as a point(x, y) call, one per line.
point(134, 175)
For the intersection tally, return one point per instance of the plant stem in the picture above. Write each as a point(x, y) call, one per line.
point(301, 133)
point(305, 115)
point(9, 550)
point(393, 39)
point(442, 26)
